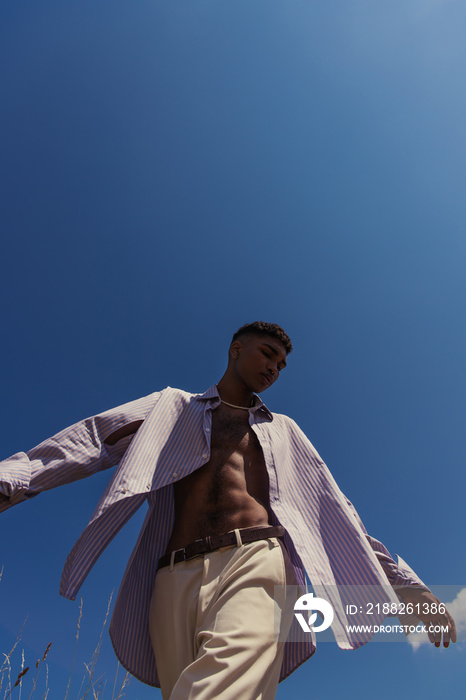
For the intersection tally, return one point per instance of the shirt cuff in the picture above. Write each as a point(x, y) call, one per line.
point(15, 475)
point(407, 577)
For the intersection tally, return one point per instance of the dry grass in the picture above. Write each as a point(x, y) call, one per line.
point(12, 684)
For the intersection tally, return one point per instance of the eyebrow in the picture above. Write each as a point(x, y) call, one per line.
point(275, 352)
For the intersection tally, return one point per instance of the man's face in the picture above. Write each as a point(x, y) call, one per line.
point(258, 360)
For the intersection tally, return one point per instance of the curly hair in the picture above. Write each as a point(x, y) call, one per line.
point(263, 328)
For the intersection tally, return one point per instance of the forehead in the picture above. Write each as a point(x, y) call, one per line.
point(272, 343)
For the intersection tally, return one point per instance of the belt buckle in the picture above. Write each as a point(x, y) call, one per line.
point(173, 555)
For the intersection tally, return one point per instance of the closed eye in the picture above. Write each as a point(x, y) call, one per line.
point(269, 355)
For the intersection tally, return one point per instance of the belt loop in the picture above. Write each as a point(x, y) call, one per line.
point(239, 541)
point(172, 559)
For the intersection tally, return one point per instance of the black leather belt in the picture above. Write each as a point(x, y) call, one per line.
point(213, 542)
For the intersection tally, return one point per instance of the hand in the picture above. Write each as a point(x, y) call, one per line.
point(428, 609)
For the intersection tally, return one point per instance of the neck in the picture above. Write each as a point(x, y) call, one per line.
point(234, 394)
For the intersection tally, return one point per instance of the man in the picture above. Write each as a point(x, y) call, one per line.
point(240, 507)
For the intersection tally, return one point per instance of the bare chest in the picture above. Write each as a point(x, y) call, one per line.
point(233, 433)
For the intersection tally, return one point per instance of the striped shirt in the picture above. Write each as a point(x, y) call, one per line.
point(324, 536)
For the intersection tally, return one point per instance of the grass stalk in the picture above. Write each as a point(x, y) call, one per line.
point(38, 669)
point(91, 667)
point(123, 685)
point(6, 665)
point(75, 648)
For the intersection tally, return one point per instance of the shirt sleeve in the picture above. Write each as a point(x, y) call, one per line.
point(398, 572)
point(72, 454)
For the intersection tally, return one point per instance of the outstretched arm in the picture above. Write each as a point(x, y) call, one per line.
point(84, 448)
point(420, 602)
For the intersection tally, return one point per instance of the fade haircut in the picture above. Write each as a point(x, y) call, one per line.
point(263, 328)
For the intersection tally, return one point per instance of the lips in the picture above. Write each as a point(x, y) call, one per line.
point(267, 379)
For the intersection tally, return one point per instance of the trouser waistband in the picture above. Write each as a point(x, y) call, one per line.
point(213, 542)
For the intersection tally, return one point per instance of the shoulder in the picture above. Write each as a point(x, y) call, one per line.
point(182, 394)
point(283, 421)
point(144, 405)
point(180, 400)
point(286, 427)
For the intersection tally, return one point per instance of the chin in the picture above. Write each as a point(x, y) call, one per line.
point(260, 389)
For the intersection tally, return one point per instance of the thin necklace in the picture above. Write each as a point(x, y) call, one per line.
point(232, 405)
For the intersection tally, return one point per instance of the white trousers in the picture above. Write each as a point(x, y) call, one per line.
point(214, 623)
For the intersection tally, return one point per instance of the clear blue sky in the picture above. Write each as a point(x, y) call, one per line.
point(172, 170)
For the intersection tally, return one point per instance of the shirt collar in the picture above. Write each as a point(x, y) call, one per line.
point(213, 396)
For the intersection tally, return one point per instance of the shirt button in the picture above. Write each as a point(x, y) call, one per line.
point(207, 430)
point(123, 491)
point(205, 455)
point(148, 487)
point(175, 474)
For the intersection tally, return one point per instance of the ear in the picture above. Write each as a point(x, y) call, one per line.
point(235, 349)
